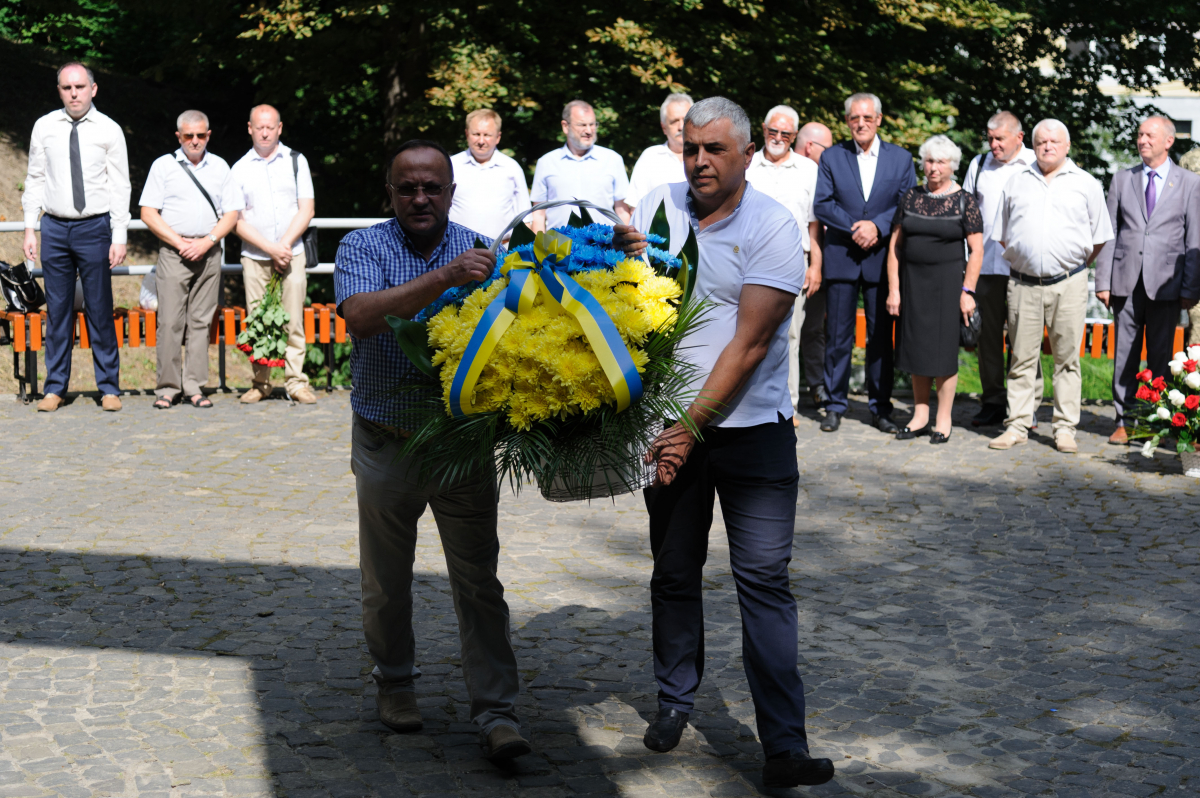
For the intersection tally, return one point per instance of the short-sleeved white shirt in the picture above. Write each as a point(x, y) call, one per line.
point(655, 166)
point(792, 183)
point(171, 192)
point(986, 182)
point(267, 194)
point(599, 177)
point(487, 195)
point(758, 244)
point(1050, 228)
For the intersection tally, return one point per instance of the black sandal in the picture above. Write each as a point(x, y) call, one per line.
point(163, 403)
point(200, 400)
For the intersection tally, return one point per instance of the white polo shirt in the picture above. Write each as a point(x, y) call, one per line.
point(171, 192)
point(986, 182)
point(792, 183)
point(266, 192)
point(487, 195)
point(758, 244)
point(1050, 228)
point(599, 176)
point(655, 166)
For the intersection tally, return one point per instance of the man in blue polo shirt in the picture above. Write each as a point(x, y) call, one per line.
point(397, 268)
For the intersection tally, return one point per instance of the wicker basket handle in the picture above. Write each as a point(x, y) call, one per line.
point(541, 206)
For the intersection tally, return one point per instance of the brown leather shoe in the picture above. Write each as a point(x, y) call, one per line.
point(50, 402)
point(1065, 442)
point(111, 402)
point(304, 396)
point(504, 743)
point(399, 712)
point(1119, 437)
point(255, 395)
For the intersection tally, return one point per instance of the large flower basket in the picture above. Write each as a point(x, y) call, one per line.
point(1171, 409)
point(560, 368)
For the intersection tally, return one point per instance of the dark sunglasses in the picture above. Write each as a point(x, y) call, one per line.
point(408, 192)
point(190, 136)
point(783, 134)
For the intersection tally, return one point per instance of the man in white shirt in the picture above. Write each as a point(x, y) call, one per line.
point(812, 140)
point(181, 204)
point(272, 190)
point(791, 180)
point(661, 163)
point(78, 179)
point(986, 176)
point(751, 270)
point(489, 187)
point(1052, 222)
point(580, 169)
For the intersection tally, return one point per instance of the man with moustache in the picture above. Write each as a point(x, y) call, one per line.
point(791, 180)
point(985, 179)
point(489, 186)
point(751, 270)
point(78, 180)
point(1153, 268)
point(180, 205)
point(271, 188)
point(580, 169)
point(859, 185)
point(661, 163)
point(396, 268)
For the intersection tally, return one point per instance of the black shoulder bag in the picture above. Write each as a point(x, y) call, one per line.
point(968, 334)
point(211, 204)
point(310, 235)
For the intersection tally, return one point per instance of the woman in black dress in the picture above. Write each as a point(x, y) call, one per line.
point(927, 286)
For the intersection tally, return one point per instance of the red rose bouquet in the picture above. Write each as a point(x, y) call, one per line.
point(1171, 403)
point(264, 337)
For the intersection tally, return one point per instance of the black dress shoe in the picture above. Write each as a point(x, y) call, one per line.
point(989, 416)
point(819, 396)
point(796, 768)
point(665, 731)
point(937, 437)
point(884, 424)
point(908, 433)
point(832, 421)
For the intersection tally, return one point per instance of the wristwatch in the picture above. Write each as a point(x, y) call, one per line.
point(212, 238)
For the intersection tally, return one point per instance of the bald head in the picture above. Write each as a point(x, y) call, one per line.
point(265, 129)
point(812, 140)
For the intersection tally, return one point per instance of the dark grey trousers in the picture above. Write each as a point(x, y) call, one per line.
point(1134, 316)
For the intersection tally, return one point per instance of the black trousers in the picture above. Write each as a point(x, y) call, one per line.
point(753, 470)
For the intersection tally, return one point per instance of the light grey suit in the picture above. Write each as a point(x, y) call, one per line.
point(1153, 263)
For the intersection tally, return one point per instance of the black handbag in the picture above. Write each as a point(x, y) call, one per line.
point(21, 291)
point(309, 238)
point(968, 334)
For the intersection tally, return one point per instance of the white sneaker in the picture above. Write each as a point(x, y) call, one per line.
point(1008, 439)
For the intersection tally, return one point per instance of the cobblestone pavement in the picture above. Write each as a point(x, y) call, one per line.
point(178, 617)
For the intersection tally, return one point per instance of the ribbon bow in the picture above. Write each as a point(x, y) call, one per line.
point(525, 280)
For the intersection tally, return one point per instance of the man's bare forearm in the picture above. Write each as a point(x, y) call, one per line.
point(249, 233)
point(295, 229)
point(364, 313)
point(153, 219)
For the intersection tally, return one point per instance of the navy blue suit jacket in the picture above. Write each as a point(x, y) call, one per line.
point(839, 204)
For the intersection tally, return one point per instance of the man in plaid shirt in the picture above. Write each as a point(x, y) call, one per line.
point(397, 268)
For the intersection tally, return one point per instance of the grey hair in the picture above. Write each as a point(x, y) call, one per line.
point(671, 100)
point(787, 111)
point(1167, 124)
point(1050, 125)
point(862, 96)
point(191, 118)
point(571, 106)
point(710, 109)
point(940, 148)
point(1005, 119)
point(68, 65)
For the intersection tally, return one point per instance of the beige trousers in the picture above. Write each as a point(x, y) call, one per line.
point(1062, 309)
point(806, 340)
point(256, 273)
point(187, 300)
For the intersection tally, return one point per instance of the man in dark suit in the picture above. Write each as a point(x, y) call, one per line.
point(858, 188)
point(1154, 268)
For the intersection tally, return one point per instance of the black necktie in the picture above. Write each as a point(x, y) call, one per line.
point(77, 169)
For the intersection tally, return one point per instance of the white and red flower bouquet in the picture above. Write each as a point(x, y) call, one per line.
point(1171, 404)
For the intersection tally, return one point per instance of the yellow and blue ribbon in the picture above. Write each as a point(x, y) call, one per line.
point(525, 281)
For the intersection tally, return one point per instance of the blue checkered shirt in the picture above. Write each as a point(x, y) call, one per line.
point(375, 259)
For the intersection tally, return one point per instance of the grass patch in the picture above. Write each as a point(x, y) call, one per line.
point(1097, 375)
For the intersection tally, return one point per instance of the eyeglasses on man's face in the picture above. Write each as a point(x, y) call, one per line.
point(409, 191)
point(190, 136)
point(780, 134)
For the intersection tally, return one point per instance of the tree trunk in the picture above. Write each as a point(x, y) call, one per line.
point(405, 78)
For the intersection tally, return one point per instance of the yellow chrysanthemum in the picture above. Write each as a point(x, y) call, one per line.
point(656, 287)
point(632, 270)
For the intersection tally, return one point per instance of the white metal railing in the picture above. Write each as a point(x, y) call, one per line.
point(323, 223)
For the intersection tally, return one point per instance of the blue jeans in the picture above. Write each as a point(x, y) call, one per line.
point(69, 248)
point(753, 470)
point(390, 502)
